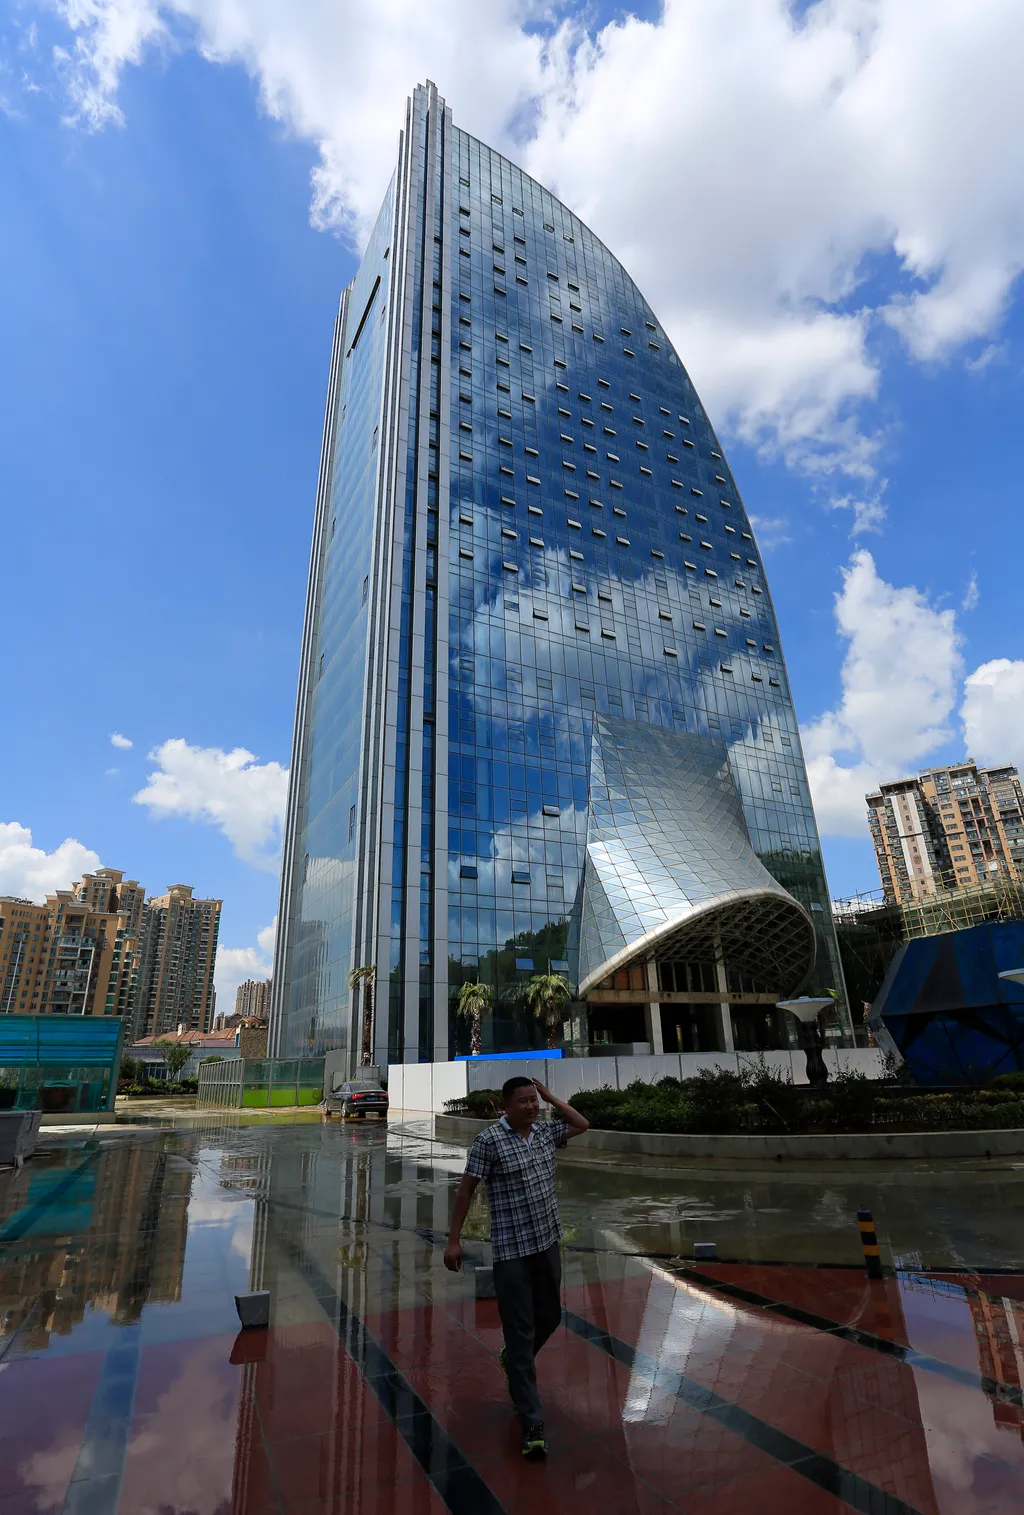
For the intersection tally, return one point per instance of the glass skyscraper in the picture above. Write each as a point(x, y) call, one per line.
point(543, 722)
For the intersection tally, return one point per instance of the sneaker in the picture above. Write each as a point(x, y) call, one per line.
point(534, 1443)
point(503, 1364)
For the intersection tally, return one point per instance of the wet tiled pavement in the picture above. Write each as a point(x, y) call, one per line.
point(741, 1386)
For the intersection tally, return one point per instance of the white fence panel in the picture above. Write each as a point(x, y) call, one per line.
point(426, 1086)
point(418, 1091)
point(648, 1069)
point(451, 1081)
point(491, 1073)
point(396, 1085)
point(866, 1060)
point(691, 1063)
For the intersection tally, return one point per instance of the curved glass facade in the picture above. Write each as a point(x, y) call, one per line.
point(554, 578)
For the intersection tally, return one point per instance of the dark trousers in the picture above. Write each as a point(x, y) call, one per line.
point(528, 1291)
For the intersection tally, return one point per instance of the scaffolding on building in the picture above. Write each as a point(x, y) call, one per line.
point(855, 905)
point(1002, 899)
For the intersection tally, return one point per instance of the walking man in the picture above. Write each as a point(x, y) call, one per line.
point(516, 1160)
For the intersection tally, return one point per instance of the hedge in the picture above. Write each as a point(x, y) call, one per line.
point(760, 1100)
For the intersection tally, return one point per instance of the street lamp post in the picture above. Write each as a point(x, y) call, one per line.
point(807, 1010)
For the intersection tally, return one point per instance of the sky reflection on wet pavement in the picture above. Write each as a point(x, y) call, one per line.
point(127, 1389)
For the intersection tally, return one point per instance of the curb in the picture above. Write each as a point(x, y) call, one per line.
point(841, 1146)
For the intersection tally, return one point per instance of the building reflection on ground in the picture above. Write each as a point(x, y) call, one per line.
point(104, 1229)
point(126, 1387)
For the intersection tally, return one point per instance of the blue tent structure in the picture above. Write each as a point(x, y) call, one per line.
point(944, 1008)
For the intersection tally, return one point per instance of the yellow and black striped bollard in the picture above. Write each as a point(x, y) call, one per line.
point(869, 1242)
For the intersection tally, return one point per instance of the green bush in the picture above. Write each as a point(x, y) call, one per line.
point(1013, 1080)
point(852, 1098)
point(1005, 1117)
point(759, 1099)
point(481, 1104)
point(971, 1110)
point(598, 1103)
point(156, 1088)
point(640, 1107)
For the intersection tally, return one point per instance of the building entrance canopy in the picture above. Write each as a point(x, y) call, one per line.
point(669, 869)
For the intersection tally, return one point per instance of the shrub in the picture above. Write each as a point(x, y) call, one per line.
point(852, 1097)
point(482, 1104)
point(781, 1105)
point(969, 1110)
point(157, 1087)
point(1013, 1080)
point(760, 1099)
point(596, 1103)
point(654, 1112)
point(714, 1097)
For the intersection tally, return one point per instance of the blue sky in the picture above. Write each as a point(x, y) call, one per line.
point(171, 273)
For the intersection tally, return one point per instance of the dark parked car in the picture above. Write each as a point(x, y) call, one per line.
point(359, 1098)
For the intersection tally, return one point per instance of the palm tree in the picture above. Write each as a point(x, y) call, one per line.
point(473, 1000)
point(546, 996)
point(366, 976)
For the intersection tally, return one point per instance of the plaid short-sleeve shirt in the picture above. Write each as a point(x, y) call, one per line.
point(520, 1179)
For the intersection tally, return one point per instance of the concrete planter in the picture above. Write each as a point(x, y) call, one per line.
point(870, 1146)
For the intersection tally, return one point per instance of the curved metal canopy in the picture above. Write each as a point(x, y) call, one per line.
point(669, 868)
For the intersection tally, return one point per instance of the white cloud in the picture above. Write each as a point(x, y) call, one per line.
point(30, 873)
point(236, 964)
point(751, 161)
point(117, 740)
point(108, 34)
point(899, 679)
point(993, 712)
point(195, 1403)
point(868, 511)
point(838, 794)
point(245, 799)
point(972, 594)
point(772, 531)
point(994, 352)
point(298, 53)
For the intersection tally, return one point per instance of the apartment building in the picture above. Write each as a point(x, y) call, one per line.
point(99, 948)
point(24, 951)
point(61, 958)
point(178, 957)
point(951, 827)
point(253, 999)
point(107, 890)
point(80, 967)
